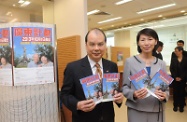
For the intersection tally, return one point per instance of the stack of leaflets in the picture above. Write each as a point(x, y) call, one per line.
point(161, 80)
point(100, 90)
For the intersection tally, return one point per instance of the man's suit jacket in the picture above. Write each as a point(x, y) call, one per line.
point(184, 53)
point(72, 91)
point(179, 69)
point(158, 55)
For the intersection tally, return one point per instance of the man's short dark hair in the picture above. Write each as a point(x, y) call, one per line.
point(161, 44)
point(180, 41)
point(179, 48)
point(86, 37)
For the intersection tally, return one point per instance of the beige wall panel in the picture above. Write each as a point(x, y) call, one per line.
point(68, 50)
point(125, 51)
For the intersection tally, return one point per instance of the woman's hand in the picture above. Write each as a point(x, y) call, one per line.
point(160, 94)
point(140, 94)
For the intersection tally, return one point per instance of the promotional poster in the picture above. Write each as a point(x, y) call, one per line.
point(5, 57)
point(33, 48)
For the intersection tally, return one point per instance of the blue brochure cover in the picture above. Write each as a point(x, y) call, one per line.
point(161, 80)
point(110, 86)
point(92, 88)
point(140, 79)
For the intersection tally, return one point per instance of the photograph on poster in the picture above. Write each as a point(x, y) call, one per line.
point(5, 57)
point(32, 47)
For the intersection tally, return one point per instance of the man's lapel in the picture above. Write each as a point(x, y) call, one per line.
point(106, 67)
point(85, 66)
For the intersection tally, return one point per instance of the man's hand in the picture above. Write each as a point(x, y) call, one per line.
point(118, 98)
point(86, 105)
point(140, 94)
point(178, 79)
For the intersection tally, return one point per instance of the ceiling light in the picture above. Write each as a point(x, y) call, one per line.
point(9, 13)
point(26, 3)
point(109, 20)
point(122, 2)
point(127, 28)
point(13, 20)
point(157, 8)
point(93, 12)
point(159, 15)
point(182, 11)
point(141, 19)
point(21, 1)
point(123, 28)
point(156, 26)
point(140, 25)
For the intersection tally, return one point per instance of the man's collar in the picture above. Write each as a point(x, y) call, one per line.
point(92, 63)
point(157, 52)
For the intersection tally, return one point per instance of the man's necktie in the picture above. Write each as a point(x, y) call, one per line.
point(98, 70)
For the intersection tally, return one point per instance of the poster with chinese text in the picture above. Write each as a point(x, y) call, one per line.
point(5, 56)
point(33, 47)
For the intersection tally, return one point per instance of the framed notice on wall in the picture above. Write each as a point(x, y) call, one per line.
point(120, 58)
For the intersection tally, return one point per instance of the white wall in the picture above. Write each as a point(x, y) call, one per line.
point(133, 44)
point(169, 36)
point(18, 15)
point(71, 19)
point(48, 13)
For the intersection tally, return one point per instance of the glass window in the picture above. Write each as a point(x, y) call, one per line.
point(110, 41)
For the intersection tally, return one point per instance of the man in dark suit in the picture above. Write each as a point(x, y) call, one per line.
point(72, 93)
point(157, 53)
point(180, 43)
point(178, 69)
